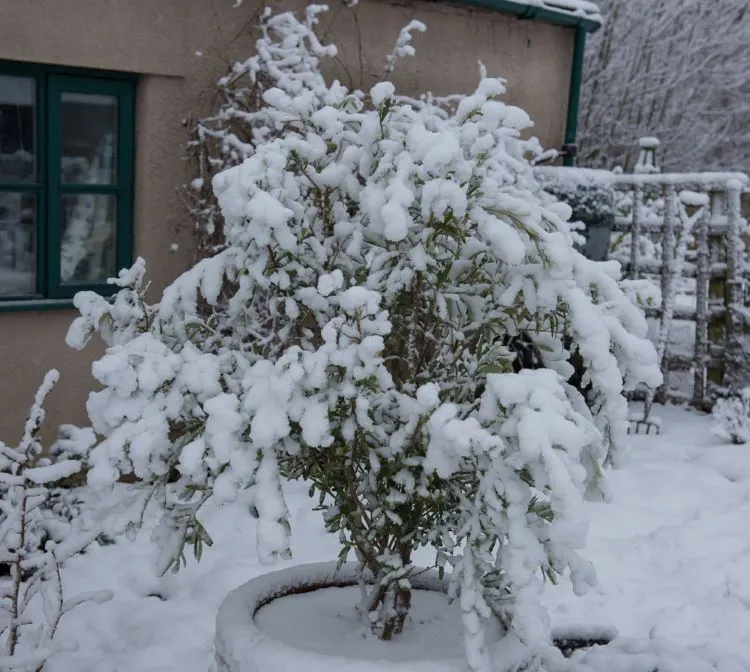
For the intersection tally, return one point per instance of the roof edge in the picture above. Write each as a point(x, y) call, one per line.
point(552, 11)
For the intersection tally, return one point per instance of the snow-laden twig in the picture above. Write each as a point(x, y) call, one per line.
point(403, 46)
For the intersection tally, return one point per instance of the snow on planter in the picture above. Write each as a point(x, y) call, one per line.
point(249, 641)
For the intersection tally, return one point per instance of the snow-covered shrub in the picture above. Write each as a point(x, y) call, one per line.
point(28, 548)
point(378, 252)
point(732, 417)
point(591, 195)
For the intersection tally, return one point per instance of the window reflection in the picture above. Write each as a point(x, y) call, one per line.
point(87, 254)
point(17, 114)
point(89, 126)
point(17, 244)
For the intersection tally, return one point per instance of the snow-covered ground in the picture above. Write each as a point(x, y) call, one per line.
point(672, 553)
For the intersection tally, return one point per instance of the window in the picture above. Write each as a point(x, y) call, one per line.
point(66, 181)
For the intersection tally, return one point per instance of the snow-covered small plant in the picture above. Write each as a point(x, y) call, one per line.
point(32, 600)
point(65, 506)
point(379, 252)
point(732, 417)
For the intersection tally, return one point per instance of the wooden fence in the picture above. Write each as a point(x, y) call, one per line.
point(708, 207)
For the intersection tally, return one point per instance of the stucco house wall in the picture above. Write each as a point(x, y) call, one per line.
point(179, 48)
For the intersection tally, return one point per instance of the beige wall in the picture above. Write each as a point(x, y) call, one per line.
point(181, 47)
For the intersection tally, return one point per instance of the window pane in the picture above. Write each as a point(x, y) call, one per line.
point(89, 125)
point(87, 251)
point(17, 244)
point(17, 150)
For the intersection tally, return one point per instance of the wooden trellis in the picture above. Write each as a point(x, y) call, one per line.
point(711, 205)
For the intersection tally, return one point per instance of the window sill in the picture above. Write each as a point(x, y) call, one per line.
point(29, 305)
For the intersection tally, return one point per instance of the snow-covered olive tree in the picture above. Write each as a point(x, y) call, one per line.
point(378, 252)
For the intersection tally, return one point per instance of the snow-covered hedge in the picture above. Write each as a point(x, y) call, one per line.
point(378, 251)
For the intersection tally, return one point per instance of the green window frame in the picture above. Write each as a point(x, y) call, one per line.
point(112, 197)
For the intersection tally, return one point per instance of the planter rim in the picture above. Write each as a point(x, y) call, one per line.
point(242, 647)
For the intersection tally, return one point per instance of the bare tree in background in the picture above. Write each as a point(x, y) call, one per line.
point(676, 69)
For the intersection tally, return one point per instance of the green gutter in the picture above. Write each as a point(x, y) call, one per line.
point(524, 11)
point(574, 93)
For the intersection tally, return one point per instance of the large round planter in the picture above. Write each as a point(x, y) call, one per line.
point(241, 646)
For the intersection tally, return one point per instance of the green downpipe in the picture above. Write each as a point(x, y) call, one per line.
point(574, 96)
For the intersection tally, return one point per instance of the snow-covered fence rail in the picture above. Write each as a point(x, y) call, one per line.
point(705, 209)
point(705, 287)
